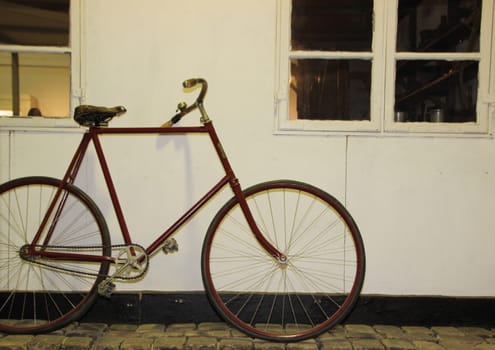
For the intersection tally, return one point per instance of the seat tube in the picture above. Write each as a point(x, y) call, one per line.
point(236, 188)
point(111, 188)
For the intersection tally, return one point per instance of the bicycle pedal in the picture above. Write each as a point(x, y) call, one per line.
point(106, 288)
point(170, 246)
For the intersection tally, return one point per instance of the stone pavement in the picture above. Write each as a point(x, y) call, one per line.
point(218, 336)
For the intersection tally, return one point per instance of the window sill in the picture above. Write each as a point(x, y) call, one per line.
point(391, 129)
point(38, 123)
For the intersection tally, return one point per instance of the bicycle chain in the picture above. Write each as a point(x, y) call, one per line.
point(80, 248)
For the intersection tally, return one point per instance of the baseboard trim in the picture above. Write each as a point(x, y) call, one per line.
point(169, 308)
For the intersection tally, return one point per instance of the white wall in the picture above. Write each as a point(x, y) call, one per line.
point(424, 205)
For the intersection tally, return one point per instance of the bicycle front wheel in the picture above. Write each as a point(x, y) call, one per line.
point(302, 297)
point(38, 294)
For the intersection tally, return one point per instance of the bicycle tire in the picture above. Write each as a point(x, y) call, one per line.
point(312, 291)
point(41, 295)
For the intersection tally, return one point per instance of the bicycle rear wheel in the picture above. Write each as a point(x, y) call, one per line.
point(297, 299)
point(39, 294)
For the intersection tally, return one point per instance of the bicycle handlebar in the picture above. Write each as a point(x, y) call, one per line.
point(184, 109)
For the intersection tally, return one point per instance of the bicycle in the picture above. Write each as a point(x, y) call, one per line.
point(281, 260)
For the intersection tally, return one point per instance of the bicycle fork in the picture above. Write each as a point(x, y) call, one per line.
point(239, 194)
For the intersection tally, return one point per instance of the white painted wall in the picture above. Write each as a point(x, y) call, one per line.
point(424, 205)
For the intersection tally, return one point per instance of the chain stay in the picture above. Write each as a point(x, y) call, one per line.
point(119, 260)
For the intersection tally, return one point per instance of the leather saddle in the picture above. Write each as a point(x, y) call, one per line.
point(95, 116)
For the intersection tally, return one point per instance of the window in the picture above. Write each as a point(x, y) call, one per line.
point(335, 88)
point(38, 52)
point(34, 84)
point(384, 65)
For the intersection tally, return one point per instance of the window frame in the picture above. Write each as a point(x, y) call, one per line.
point(383, 57)
point(74, 49)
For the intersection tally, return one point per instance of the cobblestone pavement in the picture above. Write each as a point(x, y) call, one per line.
point(218, 336)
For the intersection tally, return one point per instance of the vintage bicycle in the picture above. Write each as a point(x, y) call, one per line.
point(281, 260)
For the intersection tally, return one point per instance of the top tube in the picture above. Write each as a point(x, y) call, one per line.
point(149, 130)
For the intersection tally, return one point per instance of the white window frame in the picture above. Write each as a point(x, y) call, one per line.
point(383, 58)
point(76, 70)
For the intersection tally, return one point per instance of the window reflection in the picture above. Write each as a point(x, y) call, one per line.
point(330, 89)
point(439, 25)
point(433, 90)
point(436, 91)
point(5, 84)
point(34, 82)
point(34, 23)
point(42, 80)
point(336, 25)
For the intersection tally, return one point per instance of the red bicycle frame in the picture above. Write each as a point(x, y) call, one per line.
point(93, 135)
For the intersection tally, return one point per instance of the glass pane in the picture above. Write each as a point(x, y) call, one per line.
point(436, 91)
point(5, 84)
point(332, 25)
point(40, 22)
point(330, 89)
point(40, 83)
point(438, 25)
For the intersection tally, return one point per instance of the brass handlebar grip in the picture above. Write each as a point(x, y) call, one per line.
point(191, 83)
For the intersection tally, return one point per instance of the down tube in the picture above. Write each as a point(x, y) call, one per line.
point(187, 215)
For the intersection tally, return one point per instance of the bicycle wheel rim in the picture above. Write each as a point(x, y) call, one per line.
point(40, 295)
point(249, 288)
